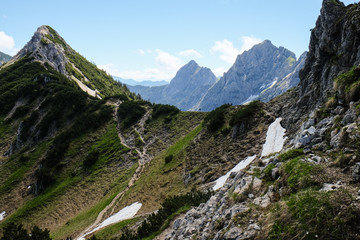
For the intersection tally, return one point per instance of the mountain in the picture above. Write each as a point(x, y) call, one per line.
point(48, 47)
point(184, 90)
point(146, 83)
point(282, 85)
point(4, 58)
point(253, 72)
point(124, 168)
point(262, 73)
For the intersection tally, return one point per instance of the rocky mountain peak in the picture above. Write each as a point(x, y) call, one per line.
point(253, 71)
point(334, 48)
point(191, 75)
point(46, 45)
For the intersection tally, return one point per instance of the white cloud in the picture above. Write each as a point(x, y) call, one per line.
point(227, 50)
point(168, 61)
point(190, 53)
point(7, 44)
point(153, 74)
point(248, 43)
point(110, 69)
point(219, 72)
point(141, 52)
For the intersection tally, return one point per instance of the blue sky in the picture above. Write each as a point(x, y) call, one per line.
point(152, 39)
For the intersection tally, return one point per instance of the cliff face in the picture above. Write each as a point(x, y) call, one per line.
point(334, 48)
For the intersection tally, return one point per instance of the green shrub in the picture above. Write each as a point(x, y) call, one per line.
point(91, 159)
point(216, 118)
point(245, 113)
point(13, 231)
point(164, 109)
point(291, 154)
point(168, 159)
point(299, 174)
point(312, 214)
point(130, 112)
point(267, 171)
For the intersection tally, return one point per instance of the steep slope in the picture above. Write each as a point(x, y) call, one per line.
point(47, 46)
point(184, 90)
point(4, 58)
point(310, 190)
point(253, 71)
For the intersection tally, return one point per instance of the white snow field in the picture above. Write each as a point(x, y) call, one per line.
point(2, 215)
point(274, 138)
point(241, 165)
point(127, 212)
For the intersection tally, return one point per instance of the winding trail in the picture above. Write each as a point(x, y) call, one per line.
point(143, 159)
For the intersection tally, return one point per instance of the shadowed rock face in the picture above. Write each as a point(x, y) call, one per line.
point(334, 48)
point(253, 72)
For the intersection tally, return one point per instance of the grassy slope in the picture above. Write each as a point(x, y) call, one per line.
point(161, 180)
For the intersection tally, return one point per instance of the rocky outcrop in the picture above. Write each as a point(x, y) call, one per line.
point(334, 48)
point(185, 89)
point(43, 49)
point(254, 71)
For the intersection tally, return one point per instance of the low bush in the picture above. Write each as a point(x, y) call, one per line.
point(168, 159)
point(13, 231)
point(245, 113)
point(164, 110)
point(216, 118)
point(291, 154)
point(130, 112)
point(312, 214)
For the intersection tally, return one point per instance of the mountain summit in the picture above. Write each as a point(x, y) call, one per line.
point(253, 72)
point(48, 47)
point(187, 87)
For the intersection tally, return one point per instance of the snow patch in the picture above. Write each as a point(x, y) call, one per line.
point(2, 215)
point(241, 165)
point(127, 212)
point(94, 93)
point(274, 138)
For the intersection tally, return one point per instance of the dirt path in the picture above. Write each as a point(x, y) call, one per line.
point(143, 159)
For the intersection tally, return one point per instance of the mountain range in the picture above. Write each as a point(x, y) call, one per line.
point(262, 72)
point(147, 83)
point(84, 158)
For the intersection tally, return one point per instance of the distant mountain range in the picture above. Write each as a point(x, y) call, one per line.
point(263, 72)
point(4, 58)
point(148, 83)
point(184, 91)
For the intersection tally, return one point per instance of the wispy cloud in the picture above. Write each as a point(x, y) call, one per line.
point(228, 52)
point(190, 53)
point(167, 66)
point(248, 43)
point(168, 61)
point(110, 69)
point(7, 44)
point(219, 72)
